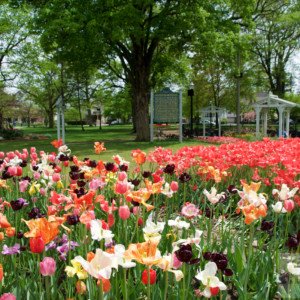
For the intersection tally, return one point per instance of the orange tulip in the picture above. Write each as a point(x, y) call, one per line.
point(47, 229)
point(1, 236)
point(106, 284)
point(252, 187)
point(85, 202)
point(10, 231)
point(252, 213)
point(99, 147)
point(144, 253)
point(154, 188)
point(90, 256)
point(56, 143)
point(3, 222)
point(140, 196)
point(138, 156)
point(80, 287)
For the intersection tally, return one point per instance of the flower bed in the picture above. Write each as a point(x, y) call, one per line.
point(214, 222)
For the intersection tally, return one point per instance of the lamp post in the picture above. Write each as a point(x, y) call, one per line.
point(191, 94)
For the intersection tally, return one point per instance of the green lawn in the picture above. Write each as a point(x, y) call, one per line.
point(119, 139)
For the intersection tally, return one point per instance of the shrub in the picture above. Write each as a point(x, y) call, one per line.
point(9, 134)
point(76, 122)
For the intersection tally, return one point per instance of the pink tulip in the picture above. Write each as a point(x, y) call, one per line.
point(124, 212)
point(190, 211)
point(289, 205)
point(36, 175)
point(42, 153)
point(23, 156)
point(10, 155)
point(47, 266)
point(176, 263)
point(8, 296)
point(25, 151)
point(42, 191)
point(23, 185)
point(174, 186)
point(1, 154)
point(32, 150)
point(12, 171)
point(122, 176)
point(136, 210)
point(56, 177)
point(121, 187)
point(51, 158)
point(34, 156)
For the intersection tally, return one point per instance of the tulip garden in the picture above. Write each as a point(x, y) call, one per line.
point(218, 222)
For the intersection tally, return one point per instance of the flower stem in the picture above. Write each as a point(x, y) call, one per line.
point(166, 285)
point(40, 278)
point(183, 282)
point(125, 285)
point(101, 290)
point(47, 288)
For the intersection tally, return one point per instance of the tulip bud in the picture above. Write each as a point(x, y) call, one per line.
point(47, 266)
point(36, 244)
point(121, 187)
point(122, 176)
point(1, 236)
point(124, 212)
point(56, 177)
point(8, 296)
point(174, 186)
point(289, 205)
point(152, 276)
point(80, 287)
point(140, 222)
point(10, 232)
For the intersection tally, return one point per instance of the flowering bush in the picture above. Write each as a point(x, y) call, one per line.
point(200, 222)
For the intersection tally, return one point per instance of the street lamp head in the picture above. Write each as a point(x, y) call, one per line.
point(192, 86)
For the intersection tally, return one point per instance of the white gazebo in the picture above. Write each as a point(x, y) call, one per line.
point(208, 111)
point(283, 106)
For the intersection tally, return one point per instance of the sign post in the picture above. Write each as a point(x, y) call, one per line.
point(166, 107)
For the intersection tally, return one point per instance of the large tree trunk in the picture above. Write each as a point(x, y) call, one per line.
point(142, 115)
point(50, 113)
point(1, 120)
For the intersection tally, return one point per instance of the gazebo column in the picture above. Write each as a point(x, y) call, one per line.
point(265, 121)
point(203, 122)
point(257, 112)
point(287, 123)
point(280, 112)
point(219, 125)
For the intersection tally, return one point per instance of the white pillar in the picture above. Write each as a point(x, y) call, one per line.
point(280, 112)
point(287, 123)
point(63, 125)
point(265, 122)
point(151, 116)
point(219, 119)
point(257, 112)
point(180, 116)
point(58, 123)
point(203, 122)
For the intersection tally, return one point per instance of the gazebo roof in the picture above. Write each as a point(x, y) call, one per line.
point(274, 101)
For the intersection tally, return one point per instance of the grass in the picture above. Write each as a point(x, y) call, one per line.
point(119, 139)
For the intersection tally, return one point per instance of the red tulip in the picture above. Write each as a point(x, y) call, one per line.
point(152, 276)
point(37, 244)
